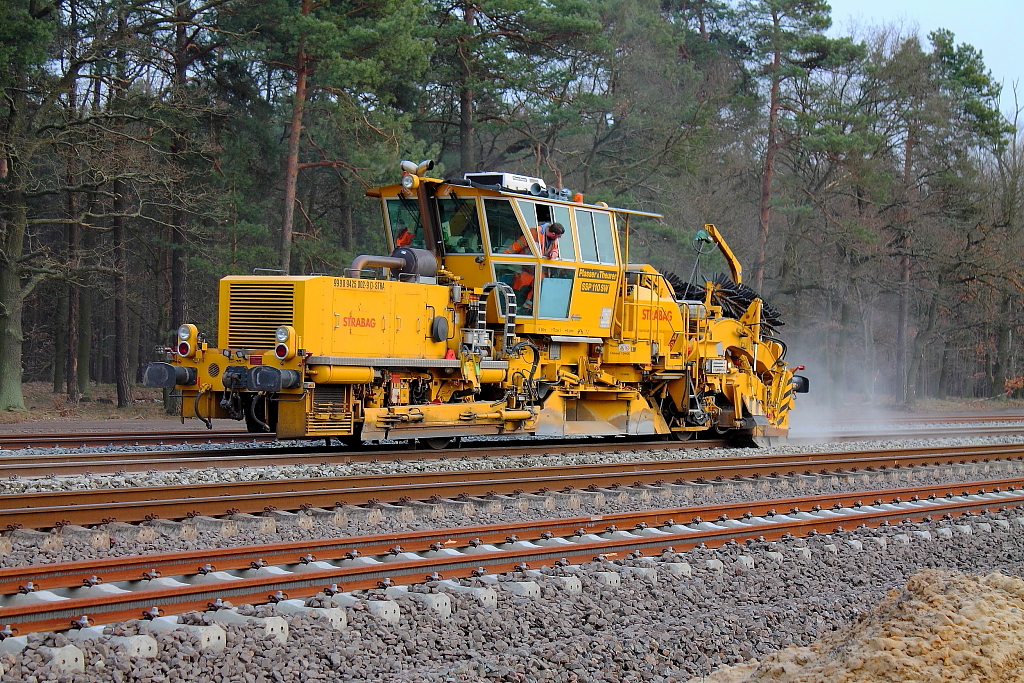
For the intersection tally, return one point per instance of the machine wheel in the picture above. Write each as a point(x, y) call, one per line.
point(678, 436)
point(441, 442)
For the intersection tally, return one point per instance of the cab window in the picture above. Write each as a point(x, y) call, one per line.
point(588, 243)
point(460, 226)
point(555, 292)
point(504, 231)
point(522, 281)
point(595, 232)
point(536, 214)
point(404, 221)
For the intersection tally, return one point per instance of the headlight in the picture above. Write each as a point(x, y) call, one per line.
point(184, 332)
point(281, 334)
point(410, 181)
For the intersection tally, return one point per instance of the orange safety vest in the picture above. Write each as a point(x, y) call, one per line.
point(404, 238)
point(548, 247)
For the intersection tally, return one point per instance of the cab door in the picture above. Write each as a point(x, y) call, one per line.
point(598, 274)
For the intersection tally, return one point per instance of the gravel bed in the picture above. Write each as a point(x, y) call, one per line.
point(671, 630)
point(25, 553)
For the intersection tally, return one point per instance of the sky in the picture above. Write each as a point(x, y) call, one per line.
point(995, 27)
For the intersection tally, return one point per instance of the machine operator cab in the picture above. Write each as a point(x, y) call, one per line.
point(502, 227)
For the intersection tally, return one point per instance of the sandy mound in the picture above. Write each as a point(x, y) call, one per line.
point(941, 627)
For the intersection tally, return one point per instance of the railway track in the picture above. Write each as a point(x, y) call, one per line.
point(13, 442)
point(52, 597)
point(99, 463)
point(800, 433)
point(897, 419)
point(841, 434)
point(137, 504)
point(55, 464)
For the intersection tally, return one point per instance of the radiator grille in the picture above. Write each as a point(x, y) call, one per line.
point(256, 310)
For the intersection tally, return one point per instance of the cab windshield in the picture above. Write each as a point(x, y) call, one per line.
point(405, 224)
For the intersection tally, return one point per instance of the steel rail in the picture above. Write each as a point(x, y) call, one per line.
point(86, 439)
point(88, 507)
point(117, 463)
point(135, 567)
point(888, 432)
point(891, 420)
point(118, 607)
point(110, 463)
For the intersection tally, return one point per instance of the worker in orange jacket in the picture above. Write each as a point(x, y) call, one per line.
point(546, 236)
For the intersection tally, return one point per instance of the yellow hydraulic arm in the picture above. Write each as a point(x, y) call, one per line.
point(734, 265)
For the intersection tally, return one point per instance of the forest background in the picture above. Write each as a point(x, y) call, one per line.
point(869, 183)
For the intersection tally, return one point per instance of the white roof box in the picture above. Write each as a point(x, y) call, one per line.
point(510, 181)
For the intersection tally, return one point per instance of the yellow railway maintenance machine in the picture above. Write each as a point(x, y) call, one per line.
point(465, 329)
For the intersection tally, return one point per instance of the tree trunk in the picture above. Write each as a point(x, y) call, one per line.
point(903, 292)
point(917, 356)
point(839, 382)
point(902, 322)
point(74, 300)
point(182, 58)
point(84, 342)
point(771, 151)
point(291, 170)
point(11, 300)
point(133, 348)
point(122, 377)
point(467, 160)
point(348, 228)
point(942, 391)
point(60, 339)
point(1002, 355)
